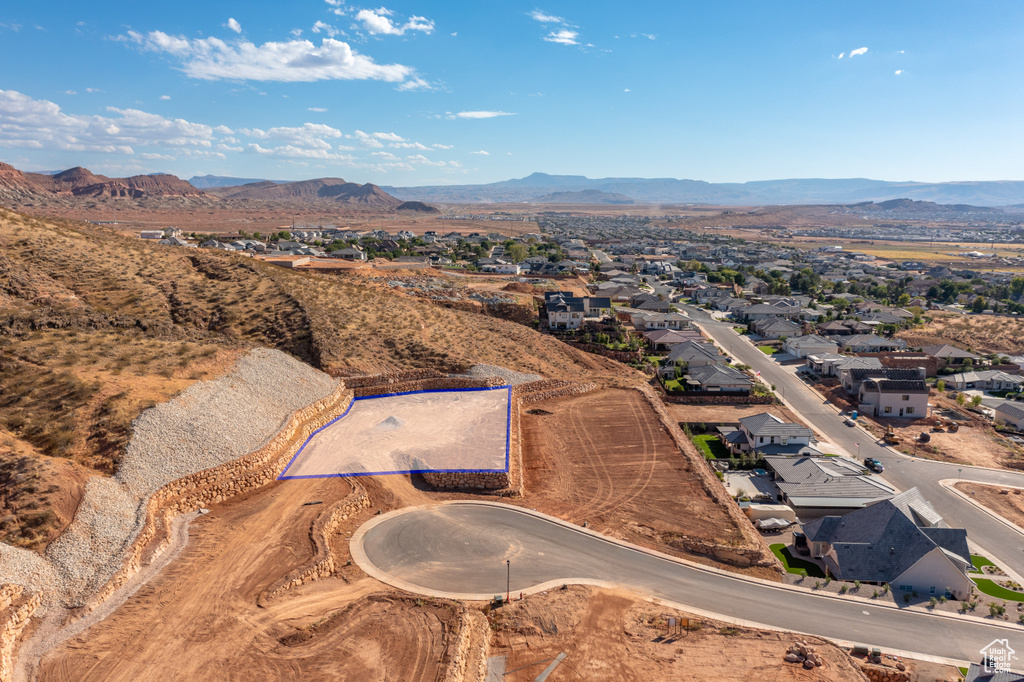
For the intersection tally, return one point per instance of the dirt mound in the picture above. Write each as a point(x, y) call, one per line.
point(389, 424)
point(521, 288)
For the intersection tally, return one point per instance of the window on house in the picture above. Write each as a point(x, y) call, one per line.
point(931, 590)
point(910, 410)
point(907, 588)
point(888, 410)
point(785, 441)
point(906, 397)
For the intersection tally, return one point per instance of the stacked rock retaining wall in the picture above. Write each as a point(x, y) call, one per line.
point(15, 614)
point(220, 483)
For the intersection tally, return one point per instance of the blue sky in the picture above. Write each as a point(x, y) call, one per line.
point(414, 93)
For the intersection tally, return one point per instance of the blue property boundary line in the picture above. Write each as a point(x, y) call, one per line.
point(508, 429)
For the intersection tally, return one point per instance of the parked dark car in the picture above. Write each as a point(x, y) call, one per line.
point(873, 464)
point(800, 544)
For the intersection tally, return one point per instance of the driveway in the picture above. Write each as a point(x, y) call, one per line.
point(460, 550)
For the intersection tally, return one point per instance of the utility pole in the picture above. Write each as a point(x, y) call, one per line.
point(508, 579)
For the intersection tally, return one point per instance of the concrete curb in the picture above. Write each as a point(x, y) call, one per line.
point(359, 556)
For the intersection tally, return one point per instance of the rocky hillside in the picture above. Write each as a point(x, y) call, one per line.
point(81, 182)
point(334, 190)
point(95, 327)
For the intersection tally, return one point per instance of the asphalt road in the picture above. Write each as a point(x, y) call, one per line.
point(461, 548)
point(1002, 544)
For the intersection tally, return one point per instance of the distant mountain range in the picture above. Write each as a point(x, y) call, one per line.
point(544, 188)
point(208, 181)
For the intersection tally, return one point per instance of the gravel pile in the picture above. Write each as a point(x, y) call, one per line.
point(511, 378)
point(210, 423)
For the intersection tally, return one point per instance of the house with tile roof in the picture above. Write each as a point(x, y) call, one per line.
point(816, 485)
point(1011, 414)
point(695, 354)
point(985, 380)
point(884, 397)
point(901, 541)
point(717, 378)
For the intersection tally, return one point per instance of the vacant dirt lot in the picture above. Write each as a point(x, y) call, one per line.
point(610, 635)
point(726, 414)
point(979, 333)
point(605, 459)
point(199, 620)
point(1010, 506)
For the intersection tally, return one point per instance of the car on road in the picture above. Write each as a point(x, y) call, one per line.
point(873, 464)
point(849, 422)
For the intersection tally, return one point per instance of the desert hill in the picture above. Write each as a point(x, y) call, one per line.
point(81, 182)
point(320, 189)
point(96, 327)
point(586, 196)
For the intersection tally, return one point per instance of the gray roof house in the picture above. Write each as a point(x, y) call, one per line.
point(695, 354)
point(809, 344)
point(766, 430)
point(1011, 414)
point(717, 378)
point(894, 397)
point(901, 541)
point(985, 380)
point(868, 343)
point(776, 328)
point(853, 376)
point(816, 486)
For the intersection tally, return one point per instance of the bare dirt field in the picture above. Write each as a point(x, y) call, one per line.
point(1010, 505)
point(610, 635)
point(727, 414)
point(979, 333)
point(437, 430)
point(605, 459)
point(199, 620)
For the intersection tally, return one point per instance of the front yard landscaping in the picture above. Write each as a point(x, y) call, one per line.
point(767, 350)
point(711, 446)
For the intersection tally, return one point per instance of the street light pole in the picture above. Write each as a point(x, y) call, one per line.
point(508, 579)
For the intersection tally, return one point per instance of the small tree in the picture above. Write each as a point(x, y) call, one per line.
point(940, 385)
point(975, 401)
point(960, 400)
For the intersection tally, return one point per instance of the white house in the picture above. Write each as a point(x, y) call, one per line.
point(894, 398)
point(985, 380)
point(809, 344)
point(1011, 414)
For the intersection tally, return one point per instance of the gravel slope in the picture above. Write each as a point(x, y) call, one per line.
point(210, 423)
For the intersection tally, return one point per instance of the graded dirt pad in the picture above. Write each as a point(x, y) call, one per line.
point(198, 619)
point(726, 414)
point(605, 459)
point(611, 635)
point(1010, 506)
point(426, 431)
point(979, 333)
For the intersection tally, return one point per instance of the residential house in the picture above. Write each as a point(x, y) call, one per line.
point(350, 253)
point(666, 339)
point(985, 380)
point(1011, 414)
point(949, 355)
point(894, 397)
point(650, 302)
point(852, 376)
point(717, 378)
point(695, 354)
point(831, 364)
point(566, 311)
point(843, 328)
point(809, 344)
point(816, 486)
point(868, 343)
point(775, 328)
point(901, 541)
point(759, 311)
point(765, 430)
point(652, 321)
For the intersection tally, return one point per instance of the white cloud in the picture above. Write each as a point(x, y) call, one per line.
point(70, 92)
point(319, 110)
point(40, 124)
point(841, 55)
point(901, 52)
point(409, 145)
point(234, 25)
point(543, 18)
point(296, 32)
point(378, 22)
point(898, 72)
point(307, 136)
point(563, 37)
point(291, 151)
point(323, 27)
point(290, 61)
point(165, 97)
point(627, 90)
point(414, 83)
point(481, 153)
point(480, 114)
point(442, 146)
point(649, 36)
point(858, 51)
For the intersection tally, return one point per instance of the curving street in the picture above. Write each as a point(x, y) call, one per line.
point(460, 549)
point(1001, 543)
